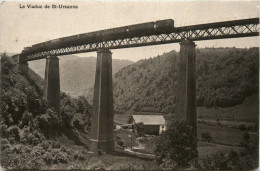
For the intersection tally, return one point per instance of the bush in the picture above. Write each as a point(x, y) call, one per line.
point(13, 133)
point(140, 128)
point(119, 141)
point(79, 157)
point(54, 153)
point(176, 147)
point(49, 122)
point(242, 127)
point(5, 144)
point(26, 118)
point(218, 161)
point(229, 161)
point(246, 159)
point(249, 145)
point(253, 127)
point(206, 136)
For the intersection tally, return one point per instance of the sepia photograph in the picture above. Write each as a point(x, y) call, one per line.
point(129, 85)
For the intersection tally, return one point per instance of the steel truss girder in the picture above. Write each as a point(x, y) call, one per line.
point(241, 30)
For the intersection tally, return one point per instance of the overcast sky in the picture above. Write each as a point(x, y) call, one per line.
point(24, 27)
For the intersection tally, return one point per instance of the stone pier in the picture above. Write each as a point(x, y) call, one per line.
point(186, 108)
point(23, 67)
point(52, 83)
point(102, 134)
point(22, 64)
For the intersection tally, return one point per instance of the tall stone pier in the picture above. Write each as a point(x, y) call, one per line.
point(22, 64)
point(52, 83)
point(102, 135)
point(186, 108)
point(23, 67)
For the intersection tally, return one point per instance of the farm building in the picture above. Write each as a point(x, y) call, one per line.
point(153, 124)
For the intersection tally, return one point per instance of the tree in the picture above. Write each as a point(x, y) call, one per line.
point(140, 128)
point(176, 147)
point(249, 145)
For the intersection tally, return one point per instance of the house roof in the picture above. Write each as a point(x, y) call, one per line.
point(149, 119)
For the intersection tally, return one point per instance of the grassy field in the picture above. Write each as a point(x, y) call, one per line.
point(207, 149)
point(124, 135)
point(248, 111)
point(222, 135)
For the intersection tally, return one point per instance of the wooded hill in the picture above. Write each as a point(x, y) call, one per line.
point(29, 127)
point(225, 77)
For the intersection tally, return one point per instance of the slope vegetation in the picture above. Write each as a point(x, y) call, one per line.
point(29, 127)
point(225, 77)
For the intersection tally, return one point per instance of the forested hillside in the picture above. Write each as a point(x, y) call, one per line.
point(77, 74)
point(29, 127)
point(225, 77)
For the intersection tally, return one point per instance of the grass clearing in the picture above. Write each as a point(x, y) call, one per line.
point(207, 149)
point(223, 135)
point(248, 111)
point(124, 135)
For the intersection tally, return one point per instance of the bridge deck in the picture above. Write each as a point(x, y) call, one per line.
point(217, 30)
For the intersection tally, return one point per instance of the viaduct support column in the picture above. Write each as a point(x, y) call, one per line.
point(52, 83)
point(23, 67)
point(186, 108)
point(22, 64)
point(102, 133)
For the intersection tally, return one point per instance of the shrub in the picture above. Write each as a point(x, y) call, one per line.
point(49, 122)
point(13, 133)
point(249, 145)
point(79, 157)
point(140, 128)
point(218, 161)
point(242, 127)
point(26, 118)
point(3, 128)
point(206, 136)
point(253, 127)
point(32, 137)
point(119, 141)
point(5, 144)
point(246, 159)
point(55, 153)
point(79, 122)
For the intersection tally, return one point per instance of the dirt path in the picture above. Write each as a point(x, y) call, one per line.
point(142, 154)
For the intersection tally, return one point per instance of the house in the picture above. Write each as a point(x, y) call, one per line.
point(153, 124)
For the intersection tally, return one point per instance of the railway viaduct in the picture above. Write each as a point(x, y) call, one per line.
point(102, 137)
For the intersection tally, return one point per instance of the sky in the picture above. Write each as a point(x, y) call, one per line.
point(22, 27)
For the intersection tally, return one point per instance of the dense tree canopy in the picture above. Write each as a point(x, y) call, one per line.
point(225, 76)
